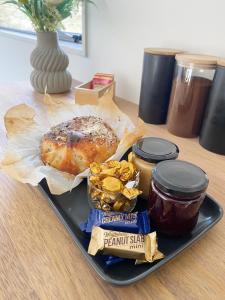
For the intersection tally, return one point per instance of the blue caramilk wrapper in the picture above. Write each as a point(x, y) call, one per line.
point(135, 222)
point(113, 260)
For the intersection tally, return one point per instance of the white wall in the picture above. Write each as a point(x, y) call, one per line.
point(118, 30)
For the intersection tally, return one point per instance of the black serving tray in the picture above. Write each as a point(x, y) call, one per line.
point(73, 208)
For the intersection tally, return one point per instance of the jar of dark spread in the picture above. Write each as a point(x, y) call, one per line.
point(191, 86)
point(178, 190)
point(147, 152)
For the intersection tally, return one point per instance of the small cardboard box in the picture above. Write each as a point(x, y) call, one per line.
point(84, 94)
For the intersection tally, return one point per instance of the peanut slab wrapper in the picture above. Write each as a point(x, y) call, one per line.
point(26, 124)
point(143, 248)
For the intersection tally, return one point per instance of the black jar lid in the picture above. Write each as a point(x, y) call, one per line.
point(154, 150)
point(180, 178)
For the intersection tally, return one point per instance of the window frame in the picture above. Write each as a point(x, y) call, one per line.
point(70, 45)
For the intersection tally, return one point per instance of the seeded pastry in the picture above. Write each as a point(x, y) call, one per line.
point(71, 146)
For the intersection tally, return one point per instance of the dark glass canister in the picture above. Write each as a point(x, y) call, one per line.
point(212, 135)
point(192, 82)
point(157, 76)
point(178, 190)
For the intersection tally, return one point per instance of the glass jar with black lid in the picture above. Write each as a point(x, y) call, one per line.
point(178, 190)
point(147, 152)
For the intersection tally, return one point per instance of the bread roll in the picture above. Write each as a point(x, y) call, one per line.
point(71, 146)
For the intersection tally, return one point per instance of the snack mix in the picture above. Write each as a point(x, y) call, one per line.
point(112, 186)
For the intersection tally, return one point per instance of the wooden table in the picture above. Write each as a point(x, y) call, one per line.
point(38, 259)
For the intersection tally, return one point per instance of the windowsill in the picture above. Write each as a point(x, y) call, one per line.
point(67, 46)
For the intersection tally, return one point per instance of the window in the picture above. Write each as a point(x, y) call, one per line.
point(14, 20)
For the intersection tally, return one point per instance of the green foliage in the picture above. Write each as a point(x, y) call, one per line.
point(46, 15)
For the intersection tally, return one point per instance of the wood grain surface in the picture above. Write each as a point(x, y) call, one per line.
point(39, 260)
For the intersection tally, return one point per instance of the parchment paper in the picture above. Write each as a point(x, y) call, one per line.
point(25, 126)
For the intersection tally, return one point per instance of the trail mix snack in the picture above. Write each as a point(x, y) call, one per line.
point(136, 222)
point(143, 248)
point(112, 186)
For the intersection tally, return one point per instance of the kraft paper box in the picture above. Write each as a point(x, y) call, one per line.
point(84, 94)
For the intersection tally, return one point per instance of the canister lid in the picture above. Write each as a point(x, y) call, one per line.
point(180, 178)
point(154, 150)
point(197, 59)
point(162, 51)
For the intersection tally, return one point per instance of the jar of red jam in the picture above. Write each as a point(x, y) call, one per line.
point(178, 190)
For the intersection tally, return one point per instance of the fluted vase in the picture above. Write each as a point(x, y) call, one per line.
point(50, 65)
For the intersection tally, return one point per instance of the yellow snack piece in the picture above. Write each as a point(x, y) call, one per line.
point(112, 184)
point(95, 182)
point(130, 157)
point(126, 176)
point(118, 205)
point(131, 193)
point(113, 164)
point(94, 179)
point(95, 194)
point(95, 168)
point(126, 167)
point(109, 172)
point(126, 171)
point(104, 198)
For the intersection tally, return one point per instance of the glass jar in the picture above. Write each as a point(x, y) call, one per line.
point(107, 201)
point(178, 190)
point(147, 153)
point(191, 86)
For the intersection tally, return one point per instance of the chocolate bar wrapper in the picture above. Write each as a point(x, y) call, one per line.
point(158, 255)
point(136, 222)
point(123, 244)
point(112, 260)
